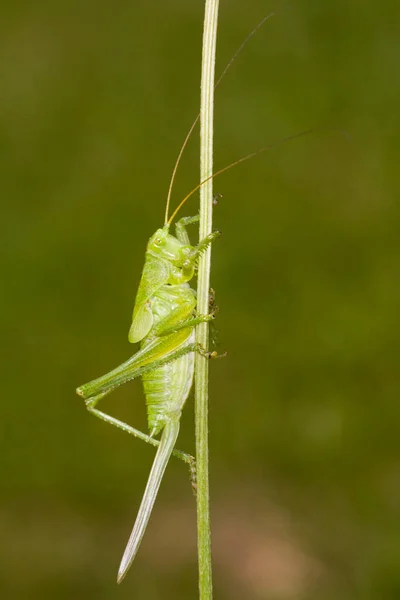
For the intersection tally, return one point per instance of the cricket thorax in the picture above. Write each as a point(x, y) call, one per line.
point(173, 299)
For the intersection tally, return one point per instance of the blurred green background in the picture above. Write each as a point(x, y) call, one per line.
point(95, 100)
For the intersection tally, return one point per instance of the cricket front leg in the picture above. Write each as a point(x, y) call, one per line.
point(204, 243)
point(180, 228)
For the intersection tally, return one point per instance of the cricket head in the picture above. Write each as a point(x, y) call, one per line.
point(167, 246)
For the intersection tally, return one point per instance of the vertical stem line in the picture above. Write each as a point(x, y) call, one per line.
point(201, 369)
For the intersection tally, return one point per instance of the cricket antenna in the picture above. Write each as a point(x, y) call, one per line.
point(178, 160)
point(237, 162)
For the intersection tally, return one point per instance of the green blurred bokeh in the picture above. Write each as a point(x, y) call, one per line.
point(95, 100)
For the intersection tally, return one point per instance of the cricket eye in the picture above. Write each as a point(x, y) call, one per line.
point(158, 241)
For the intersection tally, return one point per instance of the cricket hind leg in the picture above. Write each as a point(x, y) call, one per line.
point(93, 399)
point(91, 406)
point(156, 354)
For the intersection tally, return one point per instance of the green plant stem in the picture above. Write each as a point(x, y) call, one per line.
point(201, 371)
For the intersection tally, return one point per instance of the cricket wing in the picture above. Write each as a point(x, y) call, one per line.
point(155, 274)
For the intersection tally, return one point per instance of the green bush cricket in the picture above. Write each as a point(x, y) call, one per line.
point(163, 322)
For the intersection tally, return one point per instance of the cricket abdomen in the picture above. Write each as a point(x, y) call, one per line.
point(167, 389)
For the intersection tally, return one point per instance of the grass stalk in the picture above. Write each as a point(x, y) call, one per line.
point(201, 369)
